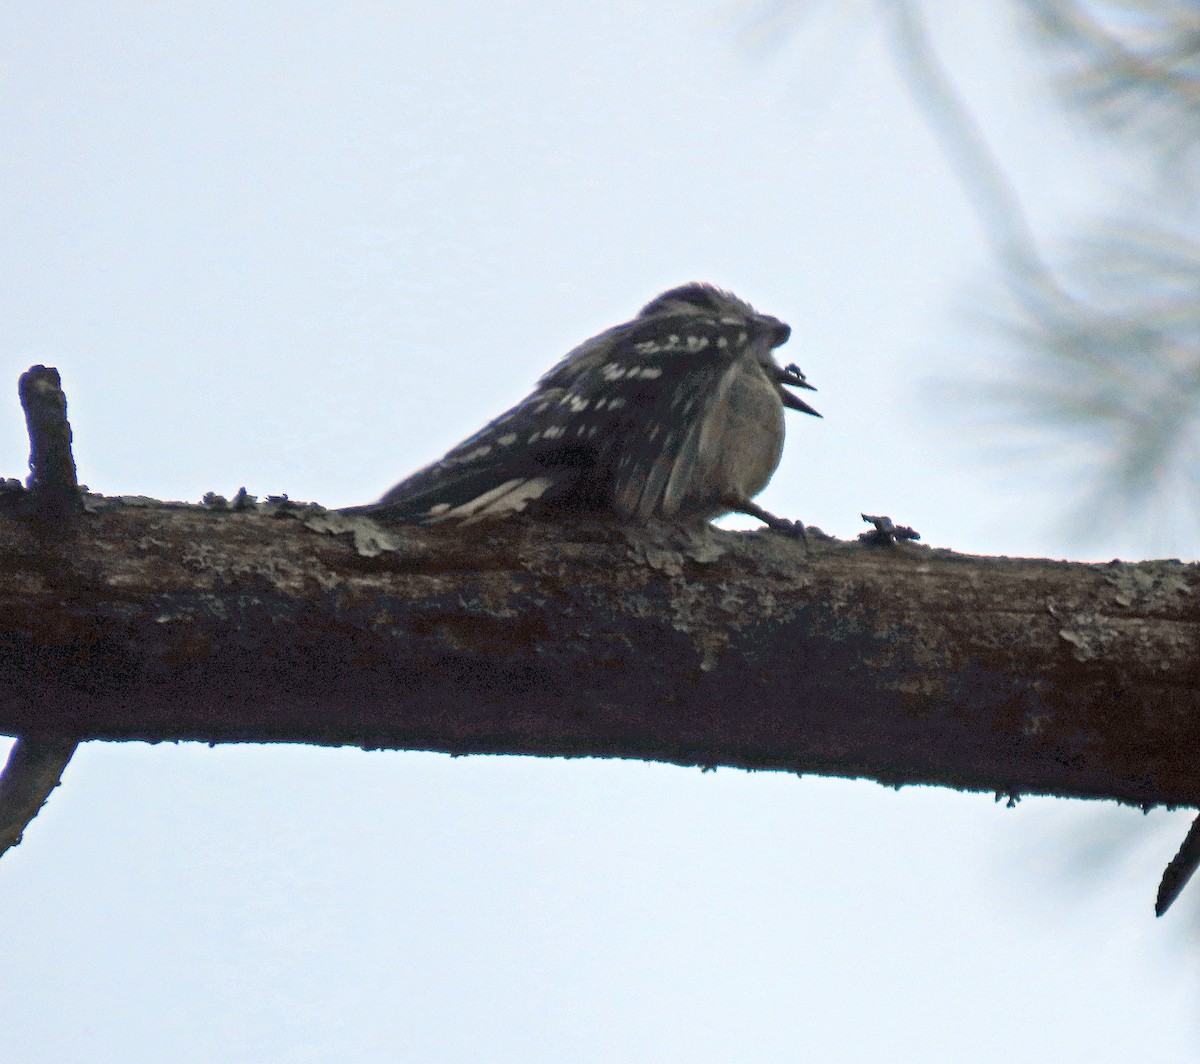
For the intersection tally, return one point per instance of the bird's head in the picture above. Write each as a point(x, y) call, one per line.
point(766, 332)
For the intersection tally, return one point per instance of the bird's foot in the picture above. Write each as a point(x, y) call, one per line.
point(783, 525)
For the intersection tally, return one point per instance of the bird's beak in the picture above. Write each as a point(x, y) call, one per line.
point(793, 402)
point(792, 376)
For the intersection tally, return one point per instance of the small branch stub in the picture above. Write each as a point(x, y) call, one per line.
point(1182, 867)
point(36, 763)
point(33, 770)
point(54, 490)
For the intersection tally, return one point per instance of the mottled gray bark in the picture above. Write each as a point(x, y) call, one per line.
point(900, 664)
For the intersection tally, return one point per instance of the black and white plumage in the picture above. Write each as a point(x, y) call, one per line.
point(677, 415)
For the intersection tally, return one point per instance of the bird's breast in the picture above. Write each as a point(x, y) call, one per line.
point(741, 440)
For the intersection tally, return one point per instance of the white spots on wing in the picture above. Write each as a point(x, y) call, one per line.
point(581, 430)
point(613, 372)
point(550, 432)
point(577, 403)
point(614, 403)
point(592, 429)
point(508, 439)
point(722, 342)
point(691, 344)
point(743, 336)
point(479, 452)
point(439, 509)
point(655, 429)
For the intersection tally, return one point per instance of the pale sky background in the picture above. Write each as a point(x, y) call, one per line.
point(307, 247)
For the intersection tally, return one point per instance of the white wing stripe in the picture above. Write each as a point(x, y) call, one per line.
point(514, 501)
point(480, 501)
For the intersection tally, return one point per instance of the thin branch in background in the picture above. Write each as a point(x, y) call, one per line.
point(1134, 66)
point(1126, 380)
point(1109, 341)
point(1115, 360)
point(992, 195)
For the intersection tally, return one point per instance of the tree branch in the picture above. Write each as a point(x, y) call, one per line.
point(135, 619)
point(903, 664)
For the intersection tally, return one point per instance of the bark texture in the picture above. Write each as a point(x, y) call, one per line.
point(903, 664)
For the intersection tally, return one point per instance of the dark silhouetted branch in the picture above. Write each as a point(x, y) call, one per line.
point(1182, 867)
point(34, 768)
point(35, 765)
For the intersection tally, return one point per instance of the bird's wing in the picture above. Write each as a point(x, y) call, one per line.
point(668, 387)
point(610, 422)
point(502, 468)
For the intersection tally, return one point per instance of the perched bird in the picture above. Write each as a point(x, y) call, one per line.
point(676, 415)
